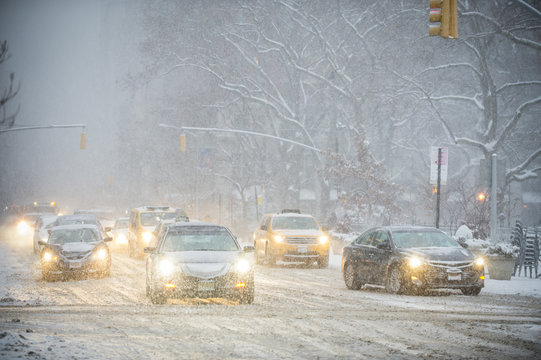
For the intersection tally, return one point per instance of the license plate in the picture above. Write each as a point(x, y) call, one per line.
point(205, 286)
point(302, 249)
point(454, 277)
point(75, 265)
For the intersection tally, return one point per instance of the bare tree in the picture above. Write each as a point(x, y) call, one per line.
point(7, 118)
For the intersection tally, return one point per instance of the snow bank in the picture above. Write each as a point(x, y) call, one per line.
point(516, 286)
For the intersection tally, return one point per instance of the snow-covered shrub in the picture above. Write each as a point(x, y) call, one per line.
point(502, 249)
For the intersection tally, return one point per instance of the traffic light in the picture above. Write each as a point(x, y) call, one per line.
point(481, 196)
point(182, 143)
point(82, 144)
point(445, 13)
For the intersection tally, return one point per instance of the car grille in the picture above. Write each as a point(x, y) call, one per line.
point(437, 272)
point(301, 240)
point(75, 255)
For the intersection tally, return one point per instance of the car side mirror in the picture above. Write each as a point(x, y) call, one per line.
point(384, 246)
point(41, 242)
point(149, 249)
point(108, 229)
point(49, 231)
point(248, 248)
point(463, 244)
point(108, 238)
point(264, 227)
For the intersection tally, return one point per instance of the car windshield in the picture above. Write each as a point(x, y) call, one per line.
point(73, 235)
point(199, 239)
point(422, 239)
point(154, 218)
point(122, 224)
point(294, 223)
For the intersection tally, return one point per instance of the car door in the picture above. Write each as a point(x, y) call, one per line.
point(359, 255)
point(379, 255)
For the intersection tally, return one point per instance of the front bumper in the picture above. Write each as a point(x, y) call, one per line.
point(441, 275)
point(230, 285)
point(299, 252)
point(76, 267)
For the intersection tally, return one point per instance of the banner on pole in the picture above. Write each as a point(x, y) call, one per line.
point(434, 165)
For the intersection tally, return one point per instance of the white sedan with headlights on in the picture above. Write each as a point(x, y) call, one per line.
point(75, 250)
point(199, 260)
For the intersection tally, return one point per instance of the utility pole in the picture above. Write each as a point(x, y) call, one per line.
point(438, 191)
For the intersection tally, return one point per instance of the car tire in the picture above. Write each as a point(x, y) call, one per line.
point(394, 283)
point(105, 273)
point(323, 262)
point(247, 297)
point(472, 291)
point(351, 279)
point(157, 298)
point(46, 276)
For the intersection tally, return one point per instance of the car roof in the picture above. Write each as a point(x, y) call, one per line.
point(291, 215)
point(155, 209)
point(78, 217)
point(75, 226)
point(393, 228)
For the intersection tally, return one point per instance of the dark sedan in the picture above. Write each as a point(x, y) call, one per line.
point(75, 250)
point(199, 260)
point(410, 260)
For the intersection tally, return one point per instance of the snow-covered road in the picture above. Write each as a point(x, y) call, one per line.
point(297, 313)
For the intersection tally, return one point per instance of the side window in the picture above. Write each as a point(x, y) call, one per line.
point(380, 238)
point(365, 239)
point(133, 224)
point(267, 221)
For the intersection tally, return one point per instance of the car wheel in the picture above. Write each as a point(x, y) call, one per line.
point(46, 276)
point(157, 298)
point(394, 283)
point(247, 297)
point(105, 273)
point(350, 277)
point(473, 291)
point(323, 262)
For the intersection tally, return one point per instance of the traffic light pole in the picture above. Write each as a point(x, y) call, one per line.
point(438, 191)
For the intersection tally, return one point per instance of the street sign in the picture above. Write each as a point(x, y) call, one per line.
point(434, 165)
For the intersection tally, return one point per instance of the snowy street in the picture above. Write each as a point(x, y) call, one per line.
point(297, 313)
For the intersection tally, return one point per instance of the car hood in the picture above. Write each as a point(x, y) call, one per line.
point(76, 247)
point(204, 264)
point(441, 253)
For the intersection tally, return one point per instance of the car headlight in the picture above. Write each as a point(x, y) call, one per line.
point(278, 238)
point(242, 266)
point(48, 256)
point(23, 227)
point(323, 239)
point(480, 261)
point(166, 267)
point(101, 254)
point(415, 262)
point(147, 236)
point(121, 239)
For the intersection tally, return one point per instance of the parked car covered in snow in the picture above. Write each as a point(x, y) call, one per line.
point(410, 260)
point(199, 260)
point(76, 249)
